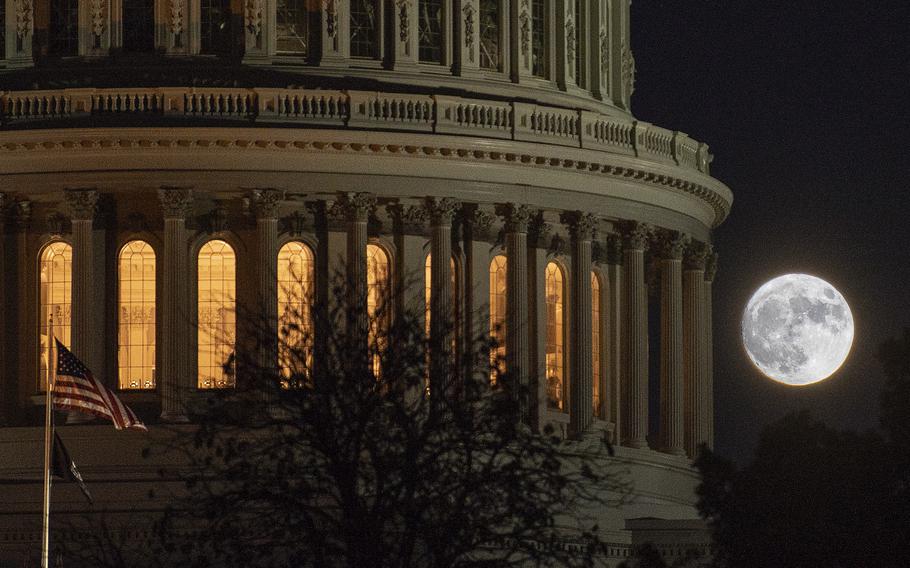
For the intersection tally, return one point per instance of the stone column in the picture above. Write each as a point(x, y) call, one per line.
point(581, 390)
point(516, 219)
point(409, 223)
point(671, 342)
point(176, 204)
point(635, 334)
point(478, 235)
point(696, 396)
point(267, 203)
point(86, 330)
point(442, 309)
point(614, 334)
point(539, 240)
point(357, 208)
point(710, 272)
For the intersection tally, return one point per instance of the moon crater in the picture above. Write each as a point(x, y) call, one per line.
point(797, 329)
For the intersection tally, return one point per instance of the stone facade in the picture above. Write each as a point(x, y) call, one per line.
point(339, 156)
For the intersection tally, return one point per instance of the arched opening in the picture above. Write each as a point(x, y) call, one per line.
point(498, 267)
point(296, 278)
point(217, 321)
point(556, 336)
point(55, 310)
point(136, 316)
point(378, 303)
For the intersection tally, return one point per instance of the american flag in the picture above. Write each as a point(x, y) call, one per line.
point(76, 389)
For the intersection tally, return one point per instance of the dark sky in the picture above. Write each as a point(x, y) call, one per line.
point(805, 106)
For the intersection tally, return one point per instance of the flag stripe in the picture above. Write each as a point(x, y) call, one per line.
point(77, 389)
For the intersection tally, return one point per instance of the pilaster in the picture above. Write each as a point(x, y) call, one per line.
point(173, 33)
point(94, 27)
point(334, 36)
point(258, 30)
point(599, 42)
point(404, 50)
point(614, 335)
point(442, 308)
point(516, 219)
point(635, 333)
point(467, 37)
point(267, 202)
point(581, 390)
point(176, 204)
point(20, 26)
point(671, 247)
point(696, 387)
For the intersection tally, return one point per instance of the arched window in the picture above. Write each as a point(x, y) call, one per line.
point(138, 25)
point(294, 19)
point(63, 28)
point(498, 315)
point(217, 319)
point(295, 299)
point(55, 301)
point(378, 308)
point(215, 28)
point(365, 28)
point(429, 30)
point(136, 316)
point(556, 325)
point(540, 41)
point(595, 344)
point(490, 38)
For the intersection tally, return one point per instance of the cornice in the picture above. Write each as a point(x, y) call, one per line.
point(29, 152)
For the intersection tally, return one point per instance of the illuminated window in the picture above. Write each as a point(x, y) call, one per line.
point(556, 299)
point(429, 30)
point(540, 44)
point(136, 316)
point(63, 27)
point(295, 300)
point(364, 28)
point(595, 343)
point(490, 51)
point(378, 271)
point(498, 315)
point(55, 300)
point(293, 23)
point(217, 319)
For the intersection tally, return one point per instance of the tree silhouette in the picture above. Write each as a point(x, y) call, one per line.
point(336, 460)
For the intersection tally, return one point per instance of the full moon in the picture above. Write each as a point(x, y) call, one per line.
point(797, 329)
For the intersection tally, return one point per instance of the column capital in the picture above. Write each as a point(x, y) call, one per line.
point(355, 207)
point(636, 236)
point(481, 222)
point(267, 201)
point(516, 217)
point(671, 245)
point(23, 210)
point(711, 267)
point(696, 254)
point(441, 210)
point(176, 202)
point(408, 219)
point(539, 232)
point(581, 225)
point(614, 249)
point(82, 203)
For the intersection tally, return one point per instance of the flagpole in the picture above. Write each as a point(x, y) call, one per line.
point(48, 440)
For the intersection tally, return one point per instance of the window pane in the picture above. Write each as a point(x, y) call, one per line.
point(539, 40)
point(293, 26)
point(64, 27)
point(429, 30)
point(490, 15)
point(364, 28)
point(136, 316)
point(215, 26)
point(378, 271)
point(595, 342)
point(217, 320)
point(55, 311)
point(498, 315)
point(138, 25)
point(555, 337)
point(295, 300)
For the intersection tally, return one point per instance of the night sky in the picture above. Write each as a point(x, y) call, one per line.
point(805, 107)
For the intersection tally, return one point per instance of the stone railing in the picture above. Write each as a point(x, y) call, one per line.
point(363, 109)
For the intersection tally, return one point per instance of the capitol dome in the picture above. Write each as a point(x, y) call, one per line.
point(179, 158)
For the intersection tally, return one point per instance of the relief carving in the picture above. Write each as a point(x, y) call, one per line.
point(628, 69)
point(96, 13)
point(330, 8)
point(570, 46)
point(403, 23)
point(468, 11)
point(524, 24)
point(24, 12)
point(175, 13)
point(253, 14)
point(604, 53)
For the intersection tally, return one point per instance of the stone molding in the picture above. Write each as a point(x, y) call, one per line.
point(702, 187)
